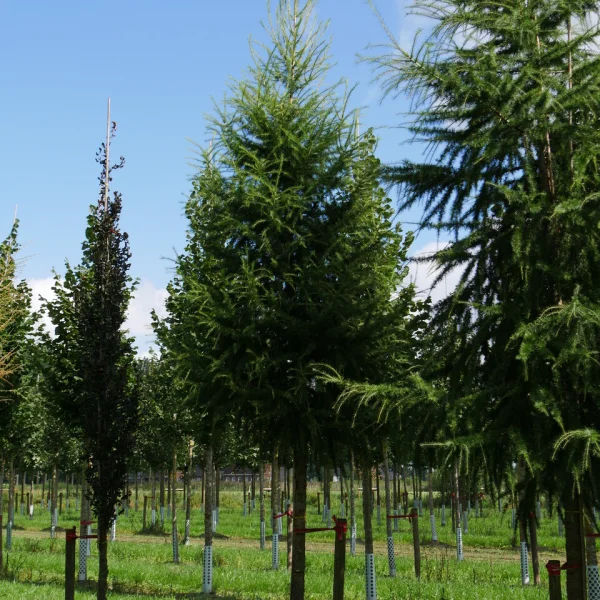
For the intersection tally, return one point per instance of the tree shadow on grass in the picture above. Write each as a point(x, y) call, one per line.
point(126, 590)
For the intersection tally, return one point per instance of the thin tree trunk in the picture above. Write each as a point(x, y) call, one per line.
point(161, 492)
point(261, 500)
point(299, 539)
point(2, 474)
point(153, 496)
point(575, 544)
point(208, 504)
point(174, 534)
point(535, 557)
point(208, 518)
point(103, 527)
point(367, 508)
point(275, 490)
point(388, 512)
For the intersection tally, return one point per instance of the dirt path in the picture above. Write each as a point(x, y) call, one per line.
point(427, 551)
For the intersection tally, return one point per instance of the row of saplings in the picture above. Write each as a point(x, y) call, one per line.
point(161, 505)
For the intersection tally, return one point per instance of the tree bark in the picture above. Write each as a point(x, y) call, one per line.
point(299, 539)
point(103, 527)
point(2, 473)
point(275, 489)
point(174, 534)
point(261, 498)
point(367, 508)
point(208, 505)
point(575, 544)
point(161, 492)
point(535, 556)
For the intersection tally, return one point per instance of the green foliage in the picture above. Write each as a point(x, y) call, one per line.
point(108, 399)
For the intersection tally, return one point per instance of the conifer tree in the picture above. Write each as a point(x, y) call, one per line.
point(507, 96)
point(292, 260)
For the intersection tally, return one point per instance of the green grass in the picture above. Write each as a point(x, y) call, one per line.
point(35, 566)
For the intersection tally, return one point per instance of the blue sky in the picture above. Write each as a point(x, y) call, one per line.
point(162, 64)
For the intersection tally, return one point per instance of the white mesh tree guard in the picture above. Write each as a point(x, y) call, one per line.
point(88, 550)
point(459, 544)
point(538, 510)
point(391, 557)
point(162, 515)
point(524, 564)
point(43, 504)
point(560, 527)
point(31, 511)
point(593, 582)
point(512, 519)
point(396, 521)
point(275, 552)
point(186, 539)
point(207, 570)
point(443, 515)
point(324, 518)
point(434, 535)
point(262, 535)
point(353, 539)
point(214, 520)
point(370, 581)
point(280, 524)
point(343, 510)
point(245, 509)
point(82, 573)
point(253, 504)
point(113, 531)
point(153, 517)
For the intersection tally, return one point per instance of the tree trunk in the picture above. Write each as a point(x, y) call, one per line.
point(208, 504)
point(153, 496)
point(103, 526)
point(54, 510)
point(575, 544)
point(261, 501)
point(275, 490)
point(2, 473)
point(174, 534)
point(367, 507)
point(161, 492)
point(535, 557)
point(299, 539)
point(244, 499)
point(388, 512)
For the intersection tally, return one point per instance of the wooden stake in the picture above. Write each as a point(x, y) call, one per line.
point(339, 562)
point(71, 536)
point(416, 541)
point(553, 567)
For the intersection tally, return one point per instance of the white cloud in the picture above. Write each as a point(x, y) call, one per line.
point(146, 298)
point(424, 274)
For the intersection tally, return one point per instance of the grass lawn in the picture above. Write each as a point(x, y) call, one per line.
point(140, 563)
